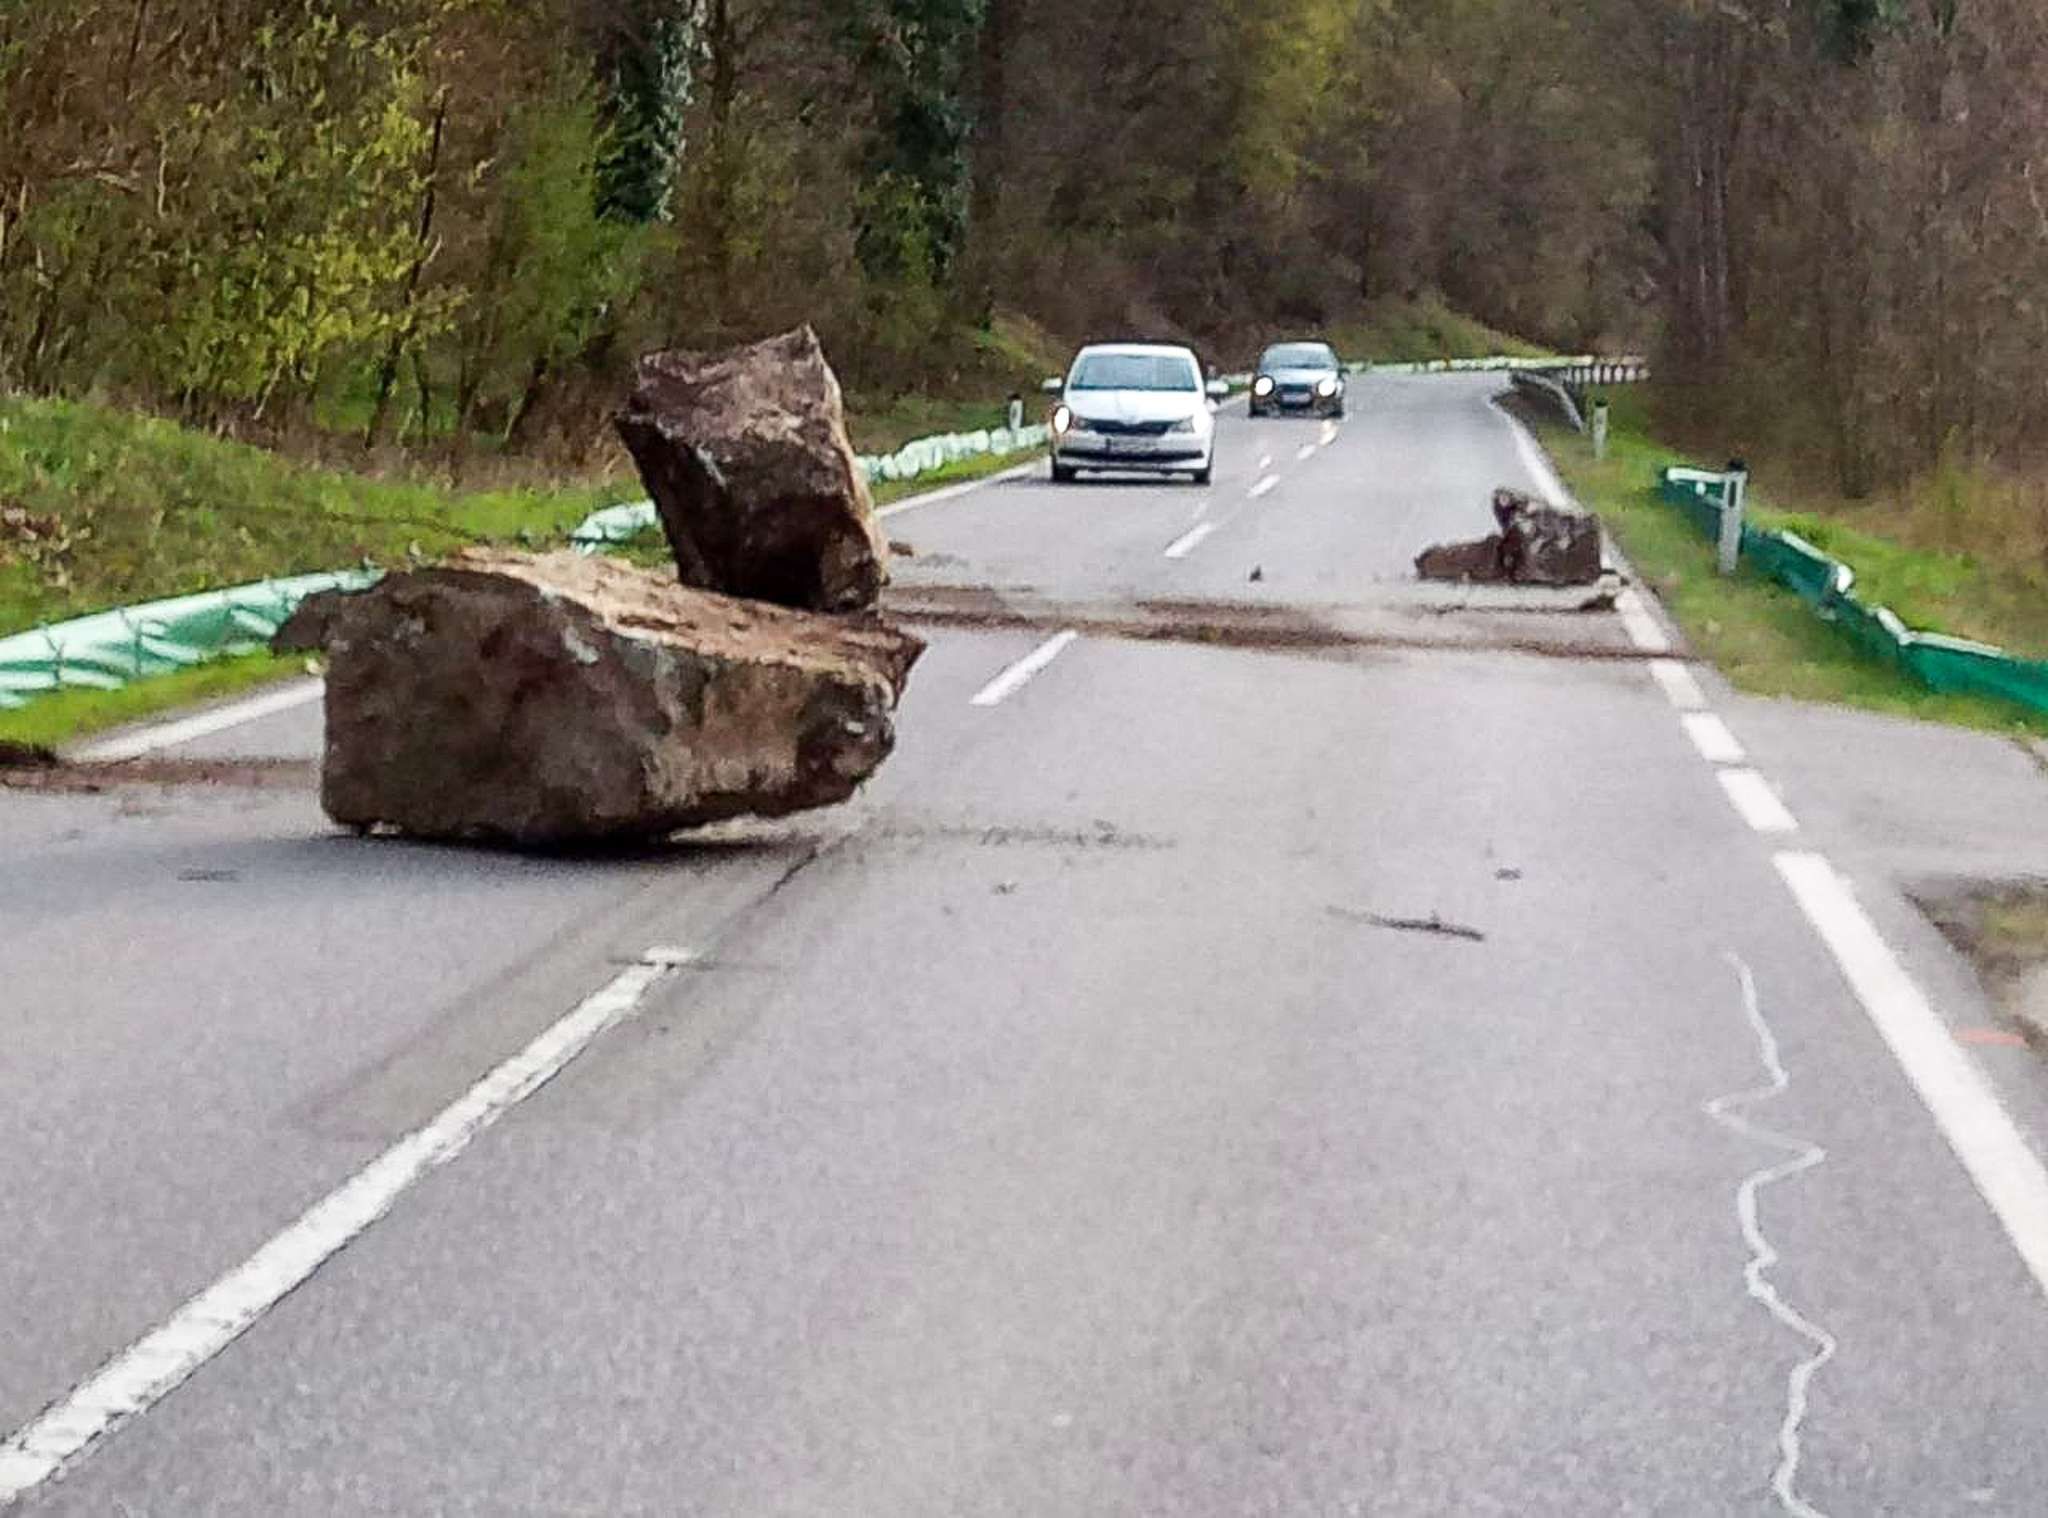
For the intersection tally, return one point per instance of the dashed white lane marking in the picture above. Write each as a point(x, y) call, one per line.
point(1965, 1107)
point(1188, 541)
point(1265, 462)
point(1680, 684)
point(141, 1375)
point(954, 492)
point(1264, 487)
point(1759, 805)
point(1710, 735)
point(1021, 674)
point(1305, 453)
point(1329, 436)
point(189, 729)
point(1762, 1256)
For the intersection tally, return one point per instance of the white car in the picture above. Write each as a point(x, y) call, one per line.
point(1135, 406)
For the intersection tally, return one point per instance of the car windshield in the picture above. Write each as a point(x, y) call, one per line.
point(1135, 371)
point(1299, 356)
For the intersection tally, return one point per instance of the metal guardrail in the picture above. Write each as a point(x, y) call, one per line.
point(1570, 385)
point(1936, 661)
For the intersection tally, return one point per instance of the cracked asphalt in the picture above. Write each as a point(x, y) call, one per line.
point(1210, 1080)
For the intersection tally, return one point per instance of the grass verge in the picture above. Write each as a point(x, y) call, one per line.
point(1761, 636)
point(1420, 329)
point(102, 508)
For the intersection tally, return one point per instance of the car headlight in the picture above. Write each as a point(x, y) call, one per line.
point(1062, 418)
point(1263, 385)
point(1327, 388)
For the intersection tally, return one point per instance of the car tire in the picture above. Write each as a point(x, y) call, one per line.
point(1205, 473)
point(1063, 474)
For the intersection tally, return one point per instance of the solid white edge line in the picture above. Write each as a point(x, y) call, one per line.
point(1264, 487)
point(1548, 485)
point(204, 725)
point(1752, 796)
point(1680, 684)
point(954, 492)
point(1710, 735)
point(156, 1364)
point(1020, 674)
point(1188, 541)
point(1642, 628)
point(2007, 1172)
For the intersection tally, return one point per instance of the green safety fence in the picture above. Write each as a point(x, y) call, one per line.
point(1949, 665)
point(111, 648)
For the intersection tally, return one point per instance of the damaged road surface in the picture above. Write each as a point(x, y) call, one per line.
point(1294, 1050)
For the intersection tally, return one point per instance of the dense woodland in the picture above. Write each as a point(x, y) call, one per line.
point(464, 216)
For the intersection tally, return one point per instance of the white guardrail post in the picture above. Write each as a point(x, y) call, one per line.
point(1600, 431)
point(1734, 488)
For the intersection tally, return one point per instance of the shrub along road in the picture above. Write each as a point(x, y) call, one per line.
point(1356, 1049)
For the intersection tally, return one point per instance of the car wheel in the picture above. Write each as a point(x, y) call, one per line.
point(1063, 474)
point(1205, 473)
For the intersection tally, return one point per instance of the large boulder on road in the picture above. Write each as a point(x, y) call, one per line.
point(561, 699)
point(746, 456)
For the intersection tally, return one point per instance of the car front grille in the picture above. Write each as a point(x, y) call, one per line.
point(1129, 429)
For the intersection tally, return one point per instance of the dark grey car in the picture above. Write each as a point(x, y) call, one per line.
point(1303, 378)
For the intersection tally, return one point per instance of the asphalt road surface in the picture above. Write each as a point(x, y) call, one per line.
point(1274, 1040)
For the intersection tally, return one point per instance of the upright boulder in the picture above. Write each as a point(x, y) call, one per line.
point(561, 700)
point(746, 456)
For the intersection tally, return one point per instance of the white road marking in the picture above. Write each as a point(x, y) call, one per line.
point(1329, 433)
point(1965, 1107)
point(1307, 452)
point(189, 729)
point(1265, 461)
point(159, 1362)
point(1643, 629)
point(1762, 1256)
point(1710, 735)
point(1188, 541)
point(1020, 674)
point(1757, 802)
point(954, 492)
point(1264, 487)
point(1680, 684)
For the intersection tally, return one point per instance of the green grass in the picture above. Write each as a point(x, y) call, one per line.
point(883, 426)
point(68, 715)
point(1013, 354)
point(1761, 636)
point(154, 510)
point(1414, 331)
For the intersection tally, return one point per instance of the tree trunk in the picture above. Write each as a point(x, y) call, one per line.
point(402, 335)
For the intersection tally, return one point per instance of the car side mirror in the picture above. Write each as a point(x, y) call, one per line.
point(1219, 390)
point(1053, 386)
